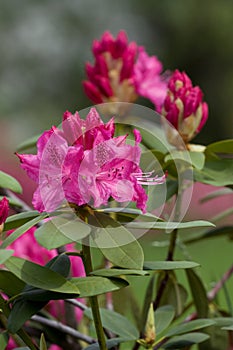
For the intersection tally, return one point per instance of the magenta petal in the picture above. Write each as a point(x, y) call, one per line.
point(4, 210)
point(72, 127)
point(30, 163)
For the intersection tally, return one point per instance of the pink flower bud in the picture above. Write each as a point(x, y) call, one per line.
point(4, 210)
point(183, 107)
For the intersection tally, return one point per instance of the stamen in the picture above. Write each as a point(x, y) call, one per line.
point(144, 179)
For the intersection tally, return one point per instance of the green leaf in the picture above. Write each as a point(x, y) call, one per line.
point(118, 272)
point(186, 340)
point(190, 327)
point(215, 194)
point(21, 230)
point(163, 317)
point(22, 348)
point(5, 254)
point(9, 182)
point(169, 225)
point(169, 265)
point(20, 219)
point(216, 172)
point(10, 284)
point(219, 231)
point(28, 144)
point(199, 294)
point(61, 231)
point(40, 276)
point(196, 159)
point(228, 328)
point(90, 286)
point(116, 323)
point(109, 342)
point(3, 340)
point(223, 321)
point(43, 345)
point(117, 244)
point(222, 147)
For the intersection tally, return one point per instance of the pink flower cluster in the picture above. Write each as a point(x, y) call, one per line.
point(84, 163)
point(27, 247)
point(183, 106)
point(122, 71)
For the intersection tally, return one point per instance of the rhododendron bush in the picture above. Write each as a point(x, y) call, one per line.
point(105, 178)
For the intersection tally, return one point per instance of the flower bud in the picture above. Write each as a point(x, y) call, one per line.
point(183, 108)
point(4, 210)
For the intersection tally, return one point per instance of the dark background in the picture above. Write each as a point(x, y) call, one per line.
point(44, 46)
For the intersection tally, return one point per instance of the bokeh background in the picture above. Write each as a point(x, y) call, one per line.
point(45, 44)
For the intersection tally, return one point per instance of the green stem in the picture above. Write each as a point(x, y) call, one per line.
point(87, 261)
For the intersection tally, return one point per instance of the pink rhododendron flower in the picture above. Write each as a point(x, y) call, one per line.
point(85, 163)
point(4, 210)
point(184, 108)
point(122, 71)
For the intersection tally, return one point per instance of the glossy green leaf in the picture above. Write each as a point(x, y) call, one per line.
point(9, 182)
point(196, 159)
point(10, 284)
point(118, 272)
point(169, 265)
point(20, 219)
point(169, 225)
point(186, 340)
point(40, 276)
point(216, 172)
point(60, 231)
point(5, 254)
point(110, 241)
point(190, 327)
point(43, 345)
point(222, 147)
point(163, 317)
point(3, 340)
point(28, 144)
point(116, 323)
point(89, 286)
point(217, 232)
point(228, 328)
point(223, 321)
point(198, 293)
point(22, 348)
point(21, 230)
point(215, 194)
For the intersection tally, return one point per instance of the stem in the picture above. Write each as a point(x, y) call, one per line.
point(63, 328)
point(211, 295)
point(86, 255)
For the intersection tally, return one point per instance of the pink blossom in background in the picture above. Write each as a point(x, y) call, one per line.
point(184, 107)
point(85, 163)
point(122, 71)
point(4, 210)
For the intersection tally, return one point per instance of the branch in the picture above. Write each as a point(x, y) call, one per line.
point(63, 328)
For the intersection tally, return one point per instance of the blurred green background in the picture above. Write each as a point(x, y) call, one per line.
point(45, 44)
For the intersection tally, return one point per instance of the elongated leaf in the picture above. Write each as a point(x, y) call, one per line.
point(225, 146)
point(216, 172)
point(118, 272)
point(190, 327)
point(10, 284)
point(169, 265)
point(117, 244)
point(61, 231)
point(89, 286)
point(217, 232)
point(9, 182)
point(40, 276)
point(5, 254)
point(42, 342)
point(199, 293)
point(186, 340)
point(21, 230)
point(3, 340)
point(215, 194)
point(17, 220)
point(28, 144)
point(163, 317)
point(223, 321)
point(169, 225)
point(110, 344)
point(116, 323)
point(196, 159)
